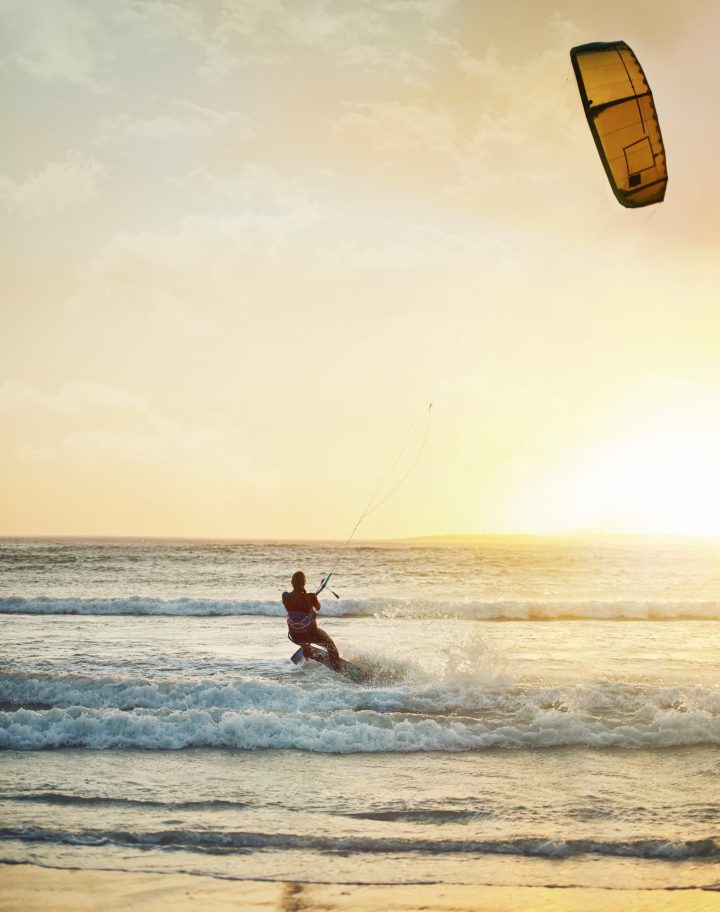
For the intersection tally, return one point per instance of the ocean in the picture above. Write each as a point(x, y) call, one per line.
point(535, 712)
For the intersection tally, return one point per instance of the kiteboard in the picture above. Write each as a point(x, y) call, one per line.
point(354, 672)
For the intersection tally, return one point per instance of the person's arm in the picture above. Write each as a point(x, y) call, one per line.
point(314, 601)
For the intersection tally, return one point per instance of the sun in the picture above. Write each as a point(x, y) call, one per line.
point(657, 476)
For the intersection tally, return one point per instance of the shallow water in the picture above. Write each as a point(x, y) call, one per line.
point(151, 718)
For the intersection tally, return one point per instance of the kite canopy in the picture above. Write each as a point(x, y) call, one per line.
point(621, 113)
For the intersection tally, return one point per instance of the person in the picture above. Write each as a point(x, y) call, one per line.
point(301, 607)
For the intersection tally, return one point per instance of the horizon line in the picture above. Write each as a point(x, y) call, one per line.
point(446, 538)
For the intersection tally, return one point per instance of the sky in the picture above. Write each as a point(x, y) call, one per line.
point(246, 243)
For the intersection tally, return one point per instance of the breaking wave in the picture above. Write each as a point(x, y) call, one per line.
point(228, 842)
point(330, 718)
point(323, 693)
point(508, 610)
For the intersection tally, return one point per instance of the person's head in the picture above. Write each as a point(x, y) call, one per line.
point(298, 580)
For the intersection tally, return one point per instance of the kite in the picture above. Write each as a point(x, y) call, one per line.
point(621, 113)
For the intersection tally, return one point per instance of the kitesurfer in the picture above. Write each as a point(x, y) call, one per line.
point(301, 607)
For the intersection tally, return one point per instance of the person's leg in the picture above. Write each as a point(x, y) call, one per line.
point(303, 642)
point(322, 639)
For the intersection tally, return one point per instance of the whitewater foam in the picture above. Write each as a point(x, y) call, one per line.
point(357, 730)
point(417, 609)
point(326, 693)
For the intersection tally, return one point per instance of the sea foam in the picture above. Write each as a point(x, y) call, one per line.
point(321, 691)
point(355, 730)
point(469, 609)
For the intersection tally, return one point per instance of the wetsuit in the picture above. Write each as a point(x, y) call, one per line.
point(302, 626)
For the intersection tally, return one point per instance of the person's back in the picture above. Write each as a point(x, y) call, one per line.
point(301, 601)
point(301, 607)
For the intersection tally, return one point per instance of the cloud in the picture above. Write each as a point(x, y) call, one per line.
point(507, 118)
point(62, 41)
point(416, 141)
point(159, 24)
point(162, 20)
point(260, 187)
point(216, 239)
point(74, 402)
point(60, 187)
point(400, 129)
point(416, 249)
point(355, 35)
point(269, 213)
point(180, 119)
point(83, 424)
point(224, 262)
point(223, 257)
point(392, 62)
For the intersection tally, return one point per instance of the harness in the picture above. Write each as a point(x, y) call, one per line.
point(301, 623)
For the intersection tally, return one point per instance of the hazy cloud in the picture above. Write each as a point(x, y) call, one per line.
point(260, 187)
point(354, 34)
point(519, 112)
point(59, 187)
point(163, 20)
point(62, 41)
point(181, 118)
point(415, 249)
point(82, 423)
point(401, 129)
point(214, 259)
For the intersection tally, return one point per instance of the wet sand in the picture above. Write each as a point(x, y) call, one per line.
point(27, 888)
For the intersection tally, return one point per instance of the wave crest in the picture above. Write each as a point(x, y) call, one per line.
point(227, 842)
point(468, 609)
point(355, 730)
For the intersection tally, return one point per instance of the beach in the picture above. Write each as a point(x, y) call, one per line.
point(416, 301)
point(27, 890)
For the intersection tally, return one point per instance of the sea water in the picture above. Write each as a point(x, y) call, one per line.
point(534, 712)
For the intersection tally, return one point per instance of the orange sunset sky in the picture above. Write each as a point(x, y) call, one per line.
point(246, 242)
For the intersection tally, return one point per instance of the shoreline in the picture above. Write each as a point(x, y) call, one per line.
point(30, 887)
